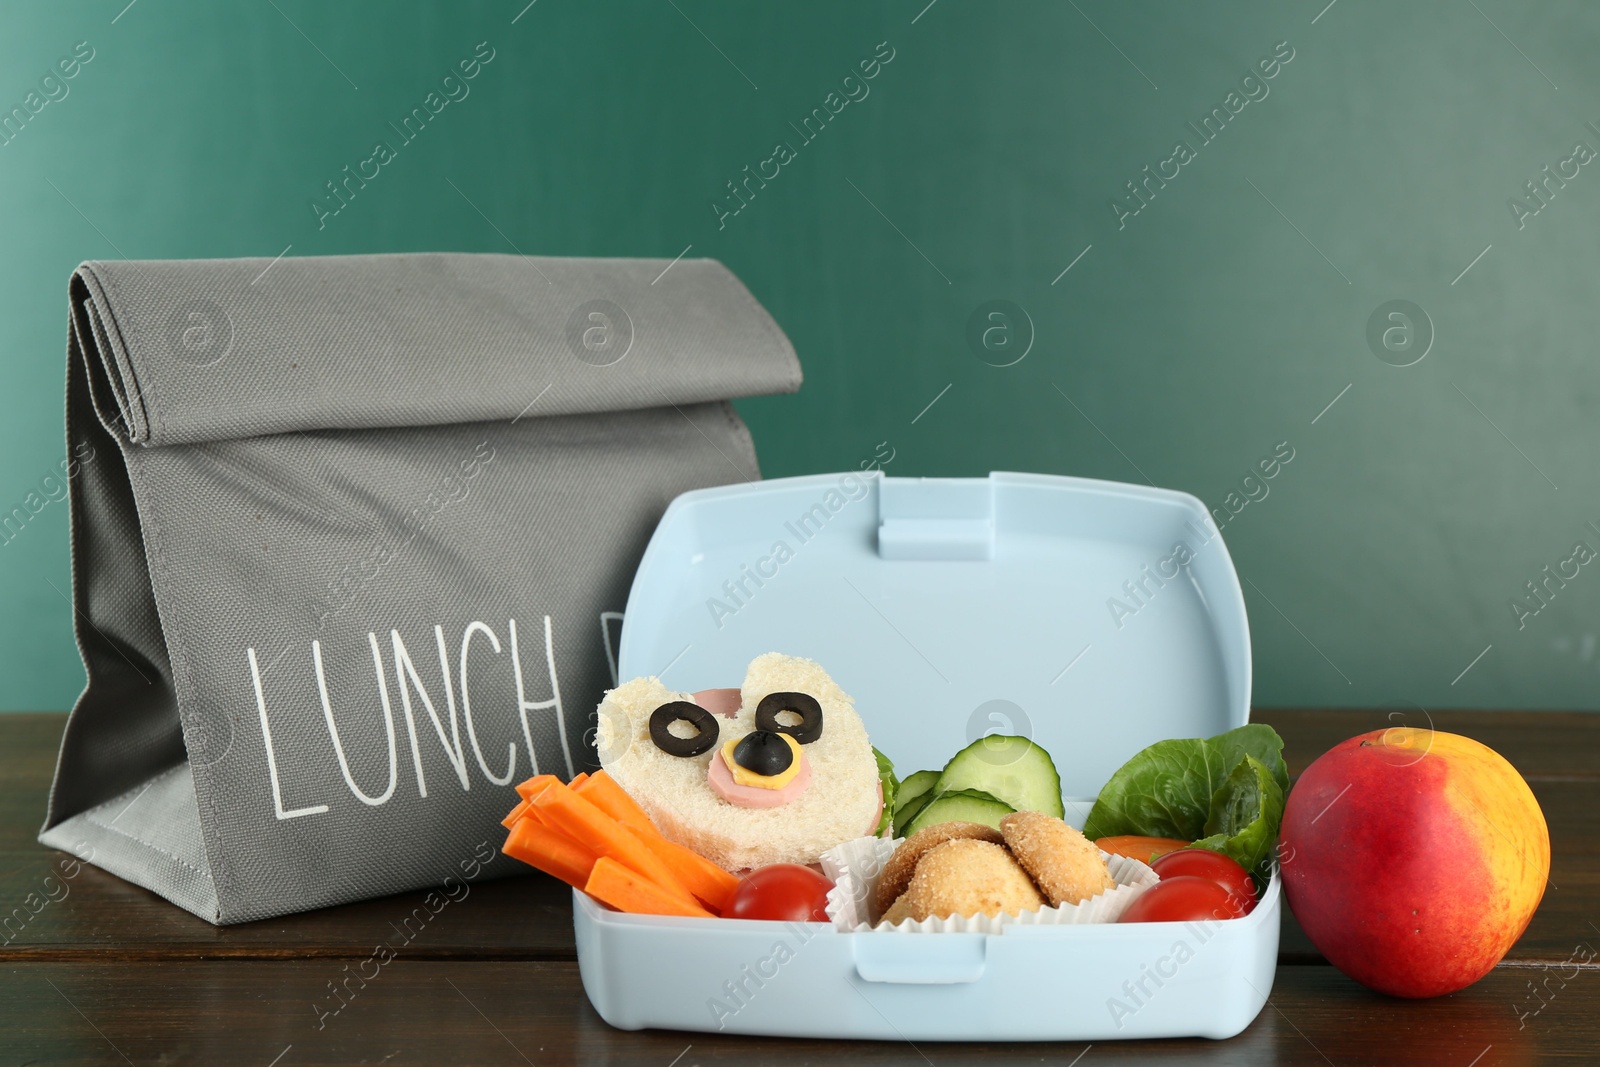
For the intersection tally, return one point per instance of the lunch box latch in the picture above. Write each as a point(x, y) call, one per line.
point(936, 518)
point(916, 959)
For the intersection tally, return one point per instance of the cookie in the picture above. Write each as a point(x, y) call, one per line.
point(1064, 864)
point(898, 871)
point(970, 877)
point(897, 913)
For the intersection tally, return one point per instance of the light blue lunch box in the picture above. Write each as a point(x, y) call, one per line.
point(1095, 617)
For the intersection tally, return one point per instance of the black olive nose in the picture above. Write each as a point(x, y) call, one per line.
point(763, 752)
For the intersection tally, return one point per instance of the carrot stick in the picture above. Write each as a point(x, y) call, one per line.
point(578, 779)
point(1143, 849)
point(516, 813)
point(704, 879)
point(604, 793)
point(710, 883)
point(534, 786)
point(562, 809)
point(612, 883)
point(529, 789)
point(551, 851)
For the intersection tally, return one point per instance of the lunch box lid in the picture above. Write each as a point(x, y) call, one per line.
point(1094, 617)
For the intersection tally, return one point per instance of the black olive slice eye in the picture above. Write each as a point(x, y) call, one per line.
point(702, 720)
point(807, 730)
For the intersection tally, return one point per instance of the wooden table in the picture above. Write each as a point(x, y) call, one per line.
point(109, 973)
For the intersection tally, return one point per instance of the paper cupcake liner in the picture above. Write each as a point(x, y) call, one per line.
point(855, 867)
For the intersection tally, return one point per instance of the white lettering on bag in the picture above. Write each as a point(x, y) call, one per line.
point(333, 731)
point(411, 683)
point(466, 707)
point(524, 705)
point(272, 759)
point(452, 748)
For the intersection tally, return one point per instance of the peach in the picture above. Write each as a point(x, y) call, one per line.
point(1414, 859)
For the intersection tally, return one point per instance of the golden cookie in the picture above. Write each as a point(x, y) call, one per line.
point(969, 877)
point(1064, 864)
point(897, 913)
point(897, 872)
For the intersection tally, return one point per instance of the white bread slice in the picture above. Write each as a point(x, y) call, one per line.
point(841, 803)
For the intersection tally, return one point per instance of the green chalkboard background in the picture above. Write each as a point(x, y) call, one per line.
point(1185, 343)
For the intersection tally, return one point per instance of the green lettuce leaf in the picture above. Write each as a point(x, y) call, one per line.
point(1246, 813)
point(890, 785)
point(1164, 791)
point(1224, 793)
point(1259, 741)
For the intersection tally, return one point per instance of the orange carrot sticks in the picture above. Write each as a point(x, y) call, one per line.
point(534, 786)
point(551, 851)
point(704, 879)
point(604, 793)
point(516, 813)
point(562, 809)
point(710, 883)
point(626, 890)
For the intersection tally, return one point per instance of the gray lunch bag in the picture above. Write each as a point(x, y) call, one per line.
point(350, 541)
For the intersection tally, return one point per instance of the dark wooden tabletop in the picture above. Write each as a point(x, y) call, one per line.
point(110, 974)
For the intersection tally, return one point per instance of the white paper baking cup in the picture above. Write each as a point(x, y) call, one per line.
point(855, 867)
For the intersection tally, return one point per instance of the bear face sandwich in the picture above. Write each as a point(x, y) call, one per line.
point(777, 771)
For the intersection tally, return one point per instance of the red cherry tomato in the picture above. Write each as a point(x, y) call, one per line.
point(786, 892)
point(1183, 898)
point(1203, 863)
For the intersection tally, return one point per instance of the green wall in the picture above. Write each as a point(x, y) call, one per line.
point(1185, 345)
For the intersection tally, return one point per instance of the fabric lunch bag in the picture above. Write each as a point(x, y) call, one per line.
point(350, 541)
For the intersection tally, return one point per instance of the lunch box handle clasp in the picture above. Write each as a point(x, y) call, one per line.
point(915, 959)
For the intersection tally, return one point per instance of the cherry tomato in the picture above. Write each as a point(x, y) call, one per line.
point(1203, 863)
point(1183, 898)
point(787, 892)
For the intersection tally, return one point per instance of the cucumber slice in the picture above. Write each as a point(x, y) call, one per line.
point(912, 787)
point(962, 805)
point(1013, 769)
point(909, 811)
